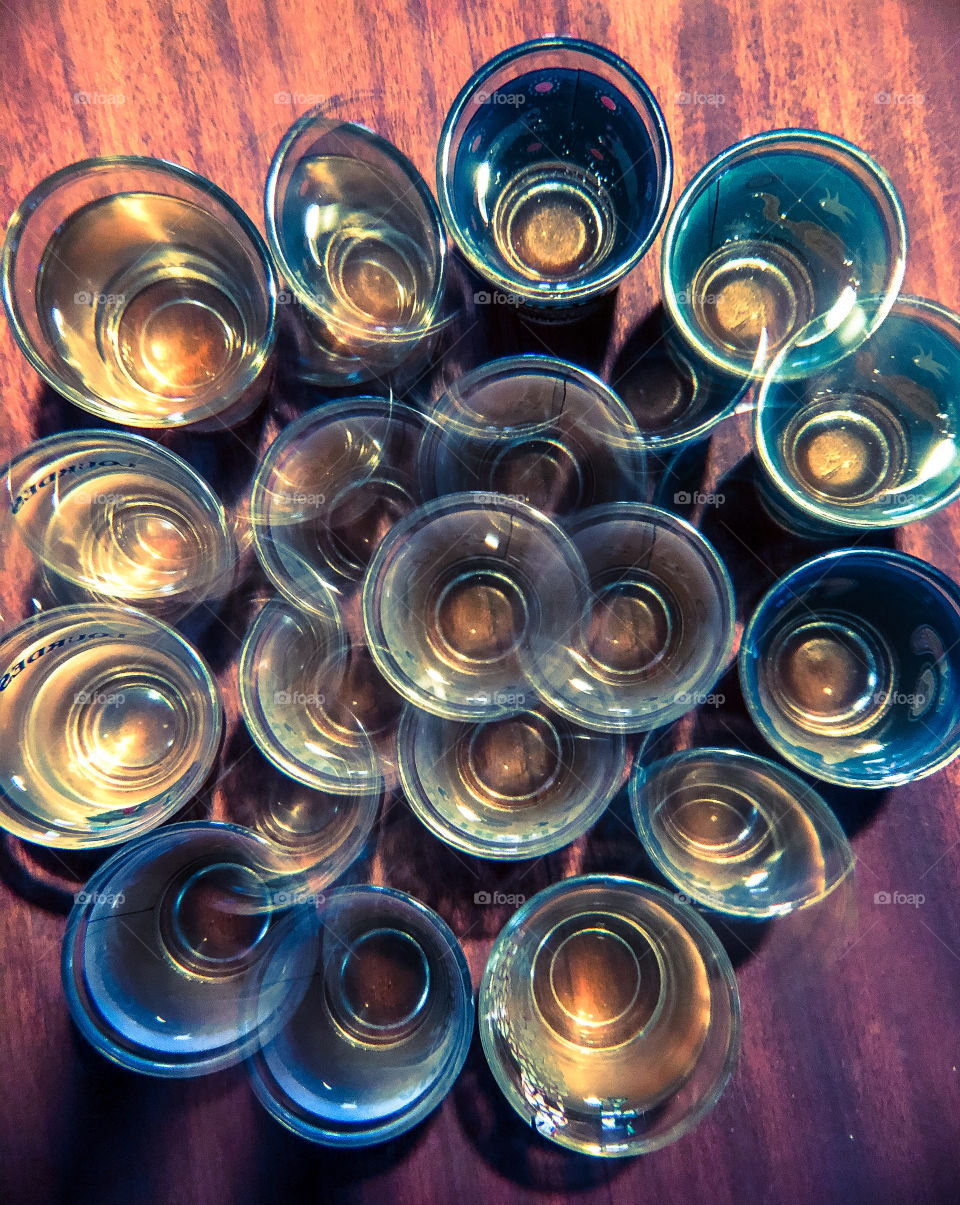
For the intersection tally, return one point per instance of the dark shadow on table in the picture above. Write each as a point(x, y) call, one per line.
point(49, 878)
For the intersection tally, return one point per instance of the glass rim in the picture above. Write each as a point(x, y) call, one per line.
point(575, 294)
point(771, 138)
point(463, 503)
point(462, 1015)
point(905, 305)
point(906, 565)
point(535, 846)
point(322, 415)
point(316, 117)
point(639, 778)
point(707, 556)
point(93, 404)
point(107, 436)
point(139, 825)
point(710, 949)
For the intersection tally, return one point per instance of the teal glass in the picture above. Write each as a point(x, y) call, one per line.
point(553, 173)
point(535, 428)
point(850, 664)
point(179, 956)
point(786, 231)
point(656, 631)
point(356, 234)
point(609, 1015)
point(737, 833)
point(871, 441)
point(383, 1029)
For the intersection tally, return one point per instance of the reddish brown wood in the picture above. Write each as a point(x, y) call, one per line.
point(848, 1088)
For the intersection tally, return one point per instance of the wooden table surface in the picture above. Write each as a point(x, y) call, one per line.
point(848, 1088)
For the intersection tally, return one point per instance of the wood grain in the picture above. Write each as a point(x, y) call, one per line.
point(848, 1089)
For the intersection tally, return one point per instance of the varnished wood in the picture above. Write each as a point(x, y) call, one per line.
point(848, 1089)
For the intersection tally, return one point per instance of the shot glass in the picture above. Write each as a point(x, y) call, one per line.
point(738, 833)
point(787, 231)
point(383, 1029)
point(537, 429)
point(316, 835)
point(519, 787)
point(177, 961)
point(870, 442)
point(297, 708)
point(460, 596)
point(117, 518)
point(656, 631)
point(142, 293)
point(609, 1015)
point(357, 236)
point(850, 665)
point(328, 489)
point(553, 173)
point(109, 723)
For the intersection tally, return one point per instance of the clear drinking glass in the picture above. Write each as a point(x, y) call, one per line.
point(109, 723)
point(738, 833)
point(850, 667)
point(518, 787)
point(871, 441)
point(356, 234)
point(459, 597)
point(535, 428)
point(328, 489)
point(177, 958)
point(656, 631)
point(383, 1029)
point(554, 172)
point(293, 666)
point(786, 231)
point(141, 292)
point(609, 1015)
point(118, 518)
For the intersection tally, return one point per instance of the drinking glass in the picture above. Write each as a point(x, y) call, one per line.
point(850, 666)
point(142, 293)
point(553, 173)
point(609, 1015)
